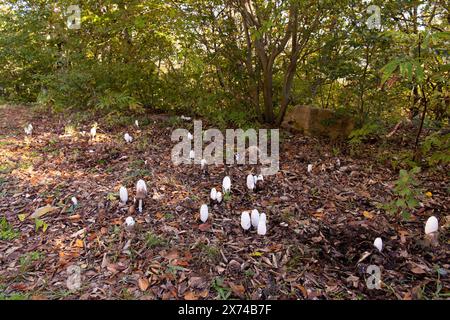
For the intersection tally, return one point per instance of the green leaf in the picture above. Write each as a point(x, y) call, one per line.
point(389, 69)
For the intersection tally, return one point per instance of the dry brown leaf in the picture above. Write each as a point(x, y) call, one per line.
point(42, 211)
point(190, 295)
point(143, 284)
point(418, 270)
point(79, 243)
point(238, 289)
point(204, 227)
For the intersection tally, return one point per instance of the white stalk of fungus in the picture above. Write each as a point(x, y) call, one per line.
point(123, 193)
point(262, 229)
point(226, 184)
point(251, 182)
point(141, 193)
point(378, 243)
point(219, 197)
point(136, 123)
point(190, 136)
point(204, 213)
point(129, 221)
point(432, 225)
point(74, 201)
point(191, 154)
point(310, 168)
point(245, 220)
point(255, 218)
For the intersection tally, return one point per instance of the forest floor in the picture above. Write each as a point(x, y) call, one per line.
point(319, 242)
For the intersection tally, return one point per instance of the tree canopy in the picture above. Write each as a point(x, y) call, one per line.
point(232, 60)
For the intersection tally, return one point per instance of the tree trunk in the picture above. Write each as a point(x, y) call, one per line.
point(268, 93)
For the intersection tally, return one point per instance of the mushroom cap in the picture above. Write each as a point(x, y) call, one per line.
point(378, 243)
point(255, 218)
point(226, 183)
point(123, 193)
point(262, 229)
point(432, 225)
point(141, 189)
point(204, 213)
point(251, 182)
point(245, 220)
point(213, 194)
point(130, 221)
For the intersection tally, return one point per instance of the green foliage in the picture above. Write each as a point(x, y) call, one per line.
point(209, 253)
point(365, 133)
point(6, 230)
point(40, 224)
point(199, 58)
point(14, 296)
point(28, 259)
point(223, 292)
point(406, 194)
point(436, 149)
point(153, 241)
point(119, 102)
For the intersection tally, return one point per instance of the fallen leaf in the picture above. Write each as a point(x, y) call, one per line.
point(238, 289)
point(190, 295)
point(418, 270)
point(143, 284)
point(256, 254)
point(79, 243)
point(368, 215)
point(42, 211)
point(204, 227)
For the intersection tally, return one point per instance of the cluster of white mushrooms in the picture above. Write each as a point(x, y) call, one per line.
point(256, 220)
point(249, 219)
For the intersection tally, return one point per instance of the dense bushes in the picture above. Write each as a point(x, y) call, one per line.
point(207, 58)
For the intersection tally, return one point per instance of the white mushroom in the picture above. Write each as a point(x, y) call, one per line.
point(262, 229)
point(213, 194)
point(123, 193)
point(129, 221)
point(245, 220)
point(432, 225)
point(378, 243)
point(204, 213)
point(127, 138)
point(255, 218)
point(141, 193)
point(251, 182)
point(226, 184)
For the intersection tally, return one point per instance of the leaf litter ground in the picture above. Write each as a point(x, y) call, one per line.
point(320, 236)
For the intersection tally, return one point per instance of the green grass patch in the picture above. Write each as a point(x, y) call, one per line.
point(6, 231)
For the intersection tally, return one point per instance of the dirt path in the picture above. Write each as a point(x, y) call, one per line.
point(319, 226)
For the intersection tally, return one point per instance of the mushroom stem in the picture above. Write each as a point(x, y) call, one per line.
point(140, 205)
